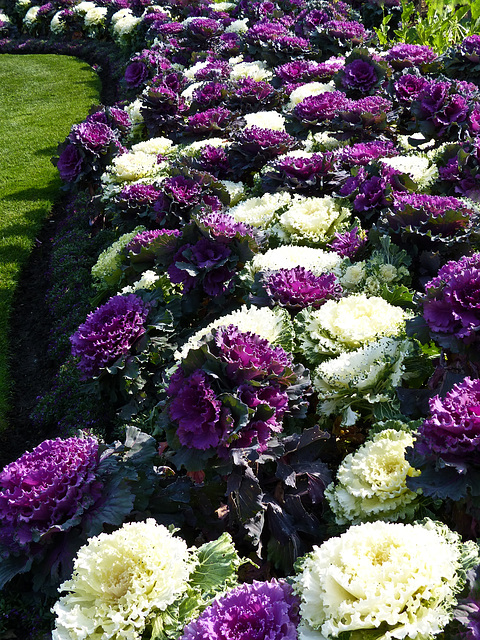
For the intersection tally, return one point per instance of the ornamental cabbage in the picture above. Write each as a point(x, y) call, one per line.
point(371, 483)
point(257, 611)
point(347, 324)
point(119, 579)
point(384, 581)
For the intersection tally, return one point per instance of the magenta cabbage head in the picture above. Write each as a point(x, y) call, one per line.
point(359, 75)
point(451, 304)
point(298, 288)
point(196, 410)
point(430, 219)
point(47, 488)
point(453, 429)
point(149, 239)
point(346, 31)
point(362, 153)
point(135, 74)
point(247, 356)
point(232, 391)
point(349, 243)
point(401, 55)
point(109, 332)
point(447, 447)
point(70, 163)
point(470, 47)
point(321, 108)
point(257, 611)
point(94, 137)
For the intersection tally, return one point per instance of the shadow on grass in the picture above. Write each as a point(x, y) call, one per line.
point(48, 151)
point(50, 192)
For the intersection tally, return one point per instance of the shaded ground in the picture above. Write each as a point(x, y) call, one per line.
point(30, 367)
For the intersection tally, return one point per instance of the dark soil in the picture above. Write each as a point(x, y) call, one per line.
point(31, 369)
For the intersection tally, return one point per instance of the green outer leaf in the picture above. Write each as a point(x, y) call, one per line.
point(217, 564)
point(215, 572)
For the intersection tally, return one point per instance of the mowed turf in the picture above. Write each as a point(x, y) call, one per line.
point(41, 96)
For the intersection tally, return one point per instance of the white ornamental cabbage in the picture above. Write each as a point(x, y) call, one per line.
point(383, 581)
point(119, 580)
point(347, 324)
point(372, 481)
point(261, 211)
point(290, 256)
point(265, 120)
point(312, 221)
point(361, 379)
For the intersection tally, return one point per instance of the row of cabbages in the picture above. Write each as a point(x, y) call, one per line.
point(286, 330)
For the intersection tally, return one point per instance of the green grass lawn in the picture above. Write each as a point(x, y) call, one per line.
point(41, 96)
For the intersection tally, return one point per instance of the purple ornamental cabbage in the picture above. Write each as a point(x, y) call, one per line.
point(210, 94)
point(136, 195)
point(45, 9)
point(447, 448)
point(94, 137)
point(348, 244)
point(223, 226)
point(263, 378)
point(438, 218)
point(474, 119)
point(451, 304)
point(170, 28)
point(69, 163)
point(109, 332)
point(433, 96)
point(254, 146)
point(248, 92)
point(300, 174)
point(374, 105)
point(204, 28)
point(292, 45)
point(214, 70)
point(359, 75)
point(401, 55)
point(345, 31)
point(466, 615)
point(266, 140)
point(452, 431)
point(206, 258)
point(196, 410)
point(301, 71)
point(408, 87)
point(265, 33)
point(257, 611)
point(135, 74)
point(248, 356)
point(184, 192)
point(322, 107)
point(439, 105)
point(147, 238)
point(362, 153)
point(211, 120)
point(309, 20)
point(214, 160)
point(218, 281)
point(298, 288)
point(47, 489)
point(270, 397)
point(371, 196)
point(120, 118)
point(470, 47)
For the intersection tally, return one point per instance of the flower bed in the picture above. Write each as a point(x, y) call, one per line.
point(281, 356)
